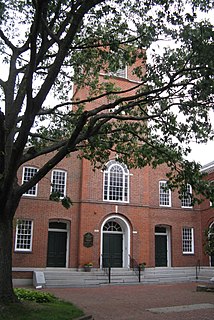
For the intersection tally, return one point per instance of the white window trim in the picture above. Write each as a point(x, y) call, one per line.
point(31, 237)
point(36, 186)
point(170, 195)
point(190, 191)
point(114, 74)
point(120, 70)
point(192, 241)
point(65, 187)
point(211, 203)
point(125, 174)
point(211, 234)
point(211, 229)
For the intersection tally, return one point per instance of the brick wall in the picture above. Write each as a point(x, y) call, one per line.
point(88, 213)
point(142, 213)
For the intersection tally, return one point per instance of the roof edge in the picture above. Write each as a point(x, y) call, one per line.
point(208, 167)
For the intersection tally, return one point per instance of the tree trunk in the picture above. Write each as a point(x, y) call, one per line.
point(6, 237)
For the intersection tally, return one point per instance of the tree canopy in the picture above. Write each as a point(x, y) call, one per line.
point(46, 46)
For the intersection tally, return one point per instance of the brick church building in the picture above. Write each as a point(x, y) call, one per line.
point(117, 215)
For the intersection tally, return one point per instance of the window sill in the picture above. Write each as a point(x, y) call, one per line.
point(116, 201)
point(23, 251)
point(188, 253)
point(165, 206)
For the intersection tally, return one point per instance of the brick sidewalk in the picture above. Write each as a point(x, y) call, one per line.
point(131, 302)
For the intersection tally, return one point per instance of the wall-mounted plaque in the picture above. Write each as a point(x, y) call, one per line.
point(88, 240)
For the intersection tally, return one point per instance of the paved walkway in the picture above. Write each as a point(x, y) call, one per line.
point(142, 302)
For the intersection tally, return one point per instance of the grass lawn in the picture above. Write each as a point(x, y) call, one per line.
point(32, 310)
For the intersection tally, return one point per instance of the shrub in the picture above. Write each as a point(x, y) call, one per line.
point(32, 295)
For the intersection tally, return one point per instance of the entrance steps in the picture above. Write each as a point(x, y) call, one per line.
point(97, 277)
point(177, 274)
point(73, 278)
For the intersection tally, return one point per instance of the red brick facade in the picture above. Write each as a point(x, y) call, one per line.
point(138, 219)
point(146, 227)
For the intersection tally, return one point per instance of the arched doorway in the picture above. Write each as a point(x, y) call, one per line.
point(115, 242)
point(162, 246)
point(57, 244)
point(211, 237)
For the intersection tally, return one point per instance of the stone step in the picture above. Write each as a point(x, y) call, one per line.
point(176, 274)
point(95, 277)
point(74, 278)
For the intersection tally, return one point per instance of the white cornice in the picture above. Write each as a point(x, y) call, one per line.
point(209, 167)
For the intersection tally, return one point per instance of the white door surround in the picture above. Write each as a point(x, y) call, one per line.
point(126, 238)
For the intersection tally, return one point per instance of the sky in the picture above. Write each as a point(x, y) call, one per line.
point(202, 153)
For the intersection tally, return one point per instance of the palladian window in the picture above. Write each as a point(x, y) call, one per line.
point(116, 182)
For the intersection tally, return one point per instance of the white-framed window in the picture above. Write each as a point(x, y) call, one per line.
point(121, 72)
point(24, 235)
point(186, 201)
point(58, 182)
point(211, 232)
point(164, 194)
point(28, 173)
point(188, 240)
point(112, 226)
point(211, 202)
point(116, 182)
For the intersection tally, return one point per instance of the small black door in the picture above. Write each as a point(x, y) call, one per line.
point(161, 251)
point(56, 249)
point(112, 250)
point(212, 260)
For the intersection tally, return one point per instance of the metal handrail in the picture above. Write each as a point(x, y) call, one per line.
point(107, 269)
point(133, 265)
point(197, 269)
point(136, 267)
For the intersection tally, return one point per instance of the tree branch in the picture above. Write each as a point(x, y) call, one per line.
point(7, 41)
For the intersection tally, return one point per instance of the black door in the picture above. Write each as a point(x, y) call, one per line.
point(112, 250)
point(212, 260)
point(56, 249)
point(161, 251)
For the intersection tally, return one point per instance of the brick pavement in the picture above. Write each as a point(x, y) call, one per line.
point(136, 302)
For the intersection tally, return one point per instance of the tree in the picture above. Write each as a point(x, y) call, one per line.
point(209, 241)
point(47, 45)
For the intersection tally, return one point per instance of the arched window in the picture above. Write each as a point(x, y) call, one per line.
point(112, 226)
point(116, 182)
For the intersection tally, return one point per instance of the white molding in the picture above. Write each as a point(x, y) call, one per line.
point(126, 238)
